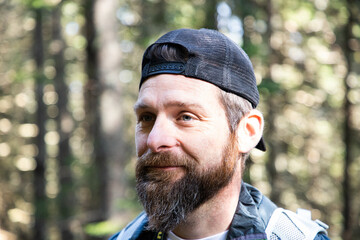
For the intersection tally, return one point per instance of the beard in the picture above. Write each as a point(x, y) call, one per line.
point(168, 202)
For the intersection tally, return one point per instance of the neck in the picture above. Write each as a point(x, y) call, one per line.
point(215, 215)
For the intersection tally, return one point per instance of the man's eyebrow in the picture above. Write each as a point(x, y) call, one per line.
point(180, 104)
point(140, 105)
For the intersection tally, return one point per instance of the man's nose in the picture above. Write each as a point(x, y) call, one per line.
point(162, 136)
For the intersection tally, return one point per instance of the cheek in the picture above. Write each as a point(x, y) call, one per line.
point(209, 147)
point(140, 143)
point(205, 148)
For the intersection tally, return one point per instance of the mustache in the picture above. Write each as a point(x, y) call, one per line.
point(165, 159)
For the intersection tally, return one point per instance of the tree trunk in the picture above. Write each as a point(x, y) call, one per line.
point(39, 172)
point(348, 209)
point(210, 12)
point(110, 109)
point(66, 201)
point(92, 93)
point(103, 105)
point(273, 144)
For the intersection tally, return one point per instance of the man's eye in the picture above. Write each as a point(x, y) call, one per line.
point(186, 118)
point(146, 118)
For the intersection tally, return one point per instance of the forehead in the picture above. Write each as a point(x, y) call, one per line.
point(178, 87)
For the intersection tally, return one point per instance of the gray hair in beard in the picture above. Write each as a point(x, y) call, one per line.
point(168, 202)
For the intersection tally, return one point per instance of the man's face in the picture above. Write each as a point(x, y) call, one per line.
point(185, 151)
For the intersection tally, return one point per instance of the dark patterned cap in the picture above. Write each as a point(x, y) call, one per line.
point(212, 57)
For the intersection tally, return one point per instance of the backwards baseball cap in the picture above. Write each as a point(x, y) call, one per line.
point(212, 57)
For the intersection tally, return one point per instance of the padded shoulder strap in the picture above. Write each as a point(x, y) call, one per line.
point(285, 224)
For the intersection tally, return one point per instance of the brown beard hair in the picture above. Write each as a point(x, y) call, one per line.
point(168, 202)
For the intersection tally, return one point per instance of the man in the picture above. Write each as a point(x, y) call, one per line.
point(196, 124)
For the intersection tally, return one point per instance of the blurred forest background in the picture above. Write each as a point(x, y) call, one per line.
point(69, 75)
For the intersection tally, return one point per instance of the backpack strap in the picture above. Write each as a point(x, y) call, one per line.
point(285, 224)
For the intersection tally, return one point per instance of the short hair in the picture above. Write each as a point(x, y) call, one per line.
point(235, 107)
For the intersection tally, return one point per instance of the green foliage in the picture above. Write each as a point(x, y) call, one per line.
point(37, 4)
point(101, 229)
point(269, 87)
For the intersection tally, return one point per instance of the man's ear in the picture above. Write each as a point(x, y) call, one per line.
point(250, 131)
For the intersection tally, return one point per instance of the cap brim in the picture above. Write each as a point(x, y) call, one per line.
point(261, 145)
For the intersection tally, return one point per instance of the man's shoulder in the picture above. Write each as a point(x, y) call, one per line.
point(280, 223)
point(133, 229)
point(263, 204)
